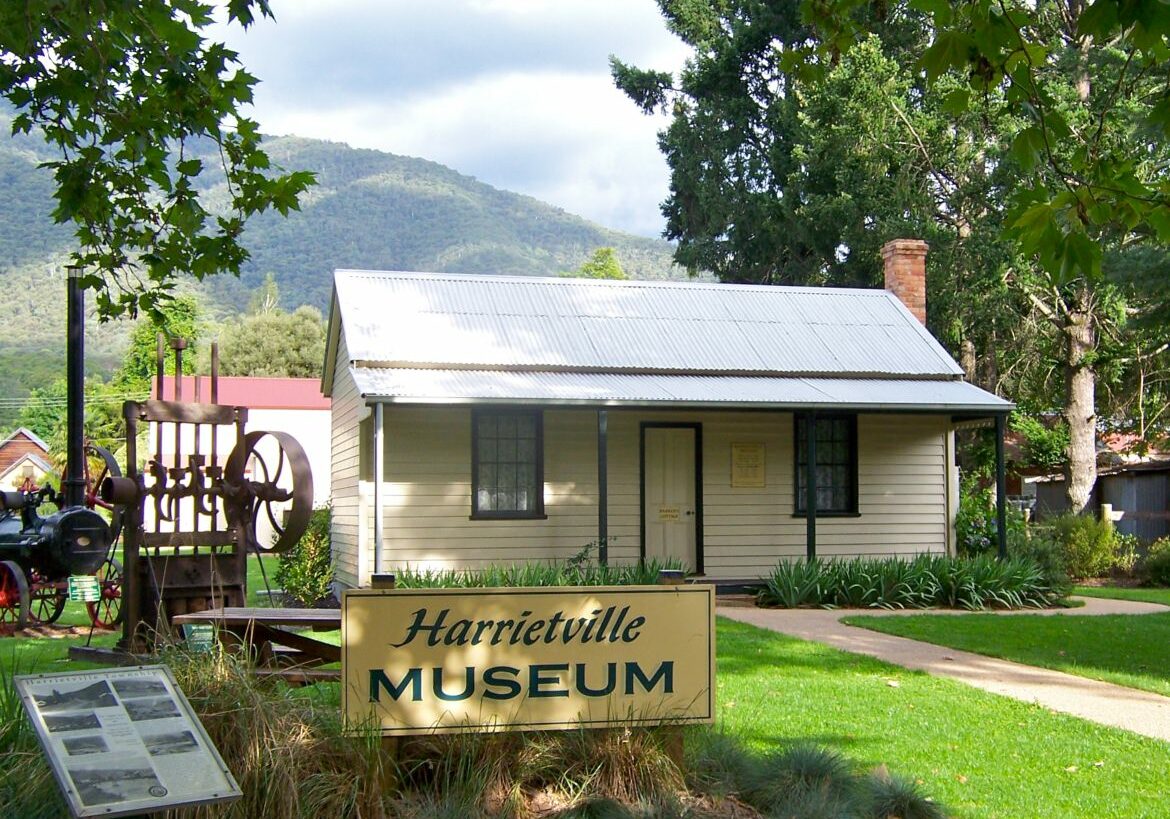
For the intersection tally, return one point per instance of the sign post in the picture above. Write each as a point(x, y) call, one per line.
point(124, 741)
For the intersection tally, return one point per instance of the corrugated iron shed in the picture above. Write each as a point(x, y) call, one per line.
point(510, 322)
point(443, 338)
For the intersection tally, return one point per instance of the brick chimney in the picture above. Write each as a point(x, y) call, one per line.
point(905, 265)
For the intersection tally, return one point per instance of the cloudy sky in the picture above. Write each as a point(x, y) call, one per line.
point(514, 92)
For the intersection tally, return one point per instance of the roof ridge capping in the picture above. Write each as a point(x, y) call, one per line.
point(689, 372)
point(571, 281)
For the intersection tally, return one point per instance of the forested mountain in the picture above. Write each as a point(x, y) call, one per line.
point(369, 210)
point(376, 210)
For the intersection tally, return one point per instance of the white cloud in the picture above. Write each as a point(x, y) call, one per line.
point(514, 92)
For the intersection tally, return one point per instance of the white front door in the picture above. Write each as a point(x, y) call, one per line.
point(670, 511)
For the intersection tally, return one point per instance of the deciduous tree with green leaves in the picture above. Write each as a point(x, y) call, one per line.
point(122, 89)
point(179, 317)
point(274, 344)
point(270, 343)
point(1091, 81)
point(1024, 140)
point(602, 264)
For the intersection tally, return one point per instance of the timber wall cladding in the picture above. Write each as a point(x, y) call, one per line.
point(428, 496)
point(901, 476)
point(345, 463)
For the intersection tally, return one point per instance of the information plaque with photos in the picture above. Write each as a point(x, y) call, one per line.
point(124, 741)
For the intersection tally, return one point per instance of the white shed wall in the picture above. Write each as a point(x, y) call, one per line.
point(347, 534)
point(902, 475)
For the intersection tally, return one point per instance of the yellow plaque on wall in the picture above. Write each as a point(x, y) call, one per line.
point(450, 660)
point(747, 465)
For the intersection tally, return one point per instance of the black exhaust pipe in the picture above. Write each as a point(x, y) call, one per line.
point(73, 486)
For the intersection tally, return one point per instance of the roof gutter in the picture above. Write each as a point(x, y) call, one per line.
point(973, 411)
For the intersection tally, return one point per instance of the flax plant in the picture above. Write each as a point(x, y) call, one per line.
point(927, 581)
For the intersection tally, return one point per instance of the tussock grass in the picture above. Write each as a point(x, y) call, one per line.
point(287, 750)
point(802, 780)
point(514, 774)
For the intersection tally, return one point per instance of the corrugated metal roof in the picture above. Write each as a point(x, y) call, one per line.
point(436, 386)
point(435, 321)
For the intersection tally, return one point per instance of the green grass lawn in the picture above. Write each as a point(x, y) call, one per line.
point(48, 653)
point(985, 757)
point(982, 755)
point(1118, 593)
point(1129, 650)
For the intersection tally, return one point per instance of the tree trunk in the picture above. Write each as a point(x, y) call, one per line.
point(967, 359)
point(1080, 473)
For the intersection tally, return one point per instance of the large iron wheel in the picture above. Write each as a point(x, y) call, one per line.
point(271, 482)
point(46, 600)
point(106, 612)
point(13, 596)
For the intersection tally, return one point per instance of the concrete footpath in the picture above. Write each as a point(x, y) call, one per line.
point(1137, 711)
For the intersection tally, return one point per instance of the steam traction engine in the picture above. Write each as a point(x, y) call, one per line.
point(39, 554)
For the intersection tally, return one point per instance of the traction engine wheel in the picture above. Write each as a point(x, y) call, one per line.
point(13, 596)
point(107, 612)
point(46, 600)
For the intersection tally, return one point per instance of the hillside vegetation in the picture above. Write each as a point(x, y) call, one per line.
point(370, 210)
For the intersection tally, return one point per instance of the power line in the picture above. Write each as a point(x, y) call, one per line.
point(8, 403)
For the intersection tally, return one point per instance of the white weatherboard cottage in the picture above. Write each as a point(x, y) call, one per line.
point(521, 418)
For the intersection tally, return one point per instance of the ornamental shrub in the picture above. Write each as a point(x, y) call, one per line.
point(305, 572)
point(976, 531)
point(1090, 545)
point(1155, 568)
point(1040, 547)
point(1126, 554)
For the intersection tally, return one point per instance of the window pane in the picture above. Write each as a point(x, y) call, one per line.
point(487, 426)
point(525, 450)
point(507, 451)
point(487, 450)
point(509, 454)
point(487, 475)
point(507, 426)
point(506, 476)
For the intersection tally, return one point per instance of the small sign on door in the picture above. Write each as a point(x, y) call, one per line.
point(667, 513)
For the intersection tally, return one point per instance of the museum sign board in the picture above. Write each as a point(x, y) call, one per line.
point(449, 660)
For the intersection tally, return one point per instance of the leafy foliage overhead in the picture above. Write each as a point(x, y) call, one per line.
point(1091, 149)
point(121, 91)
